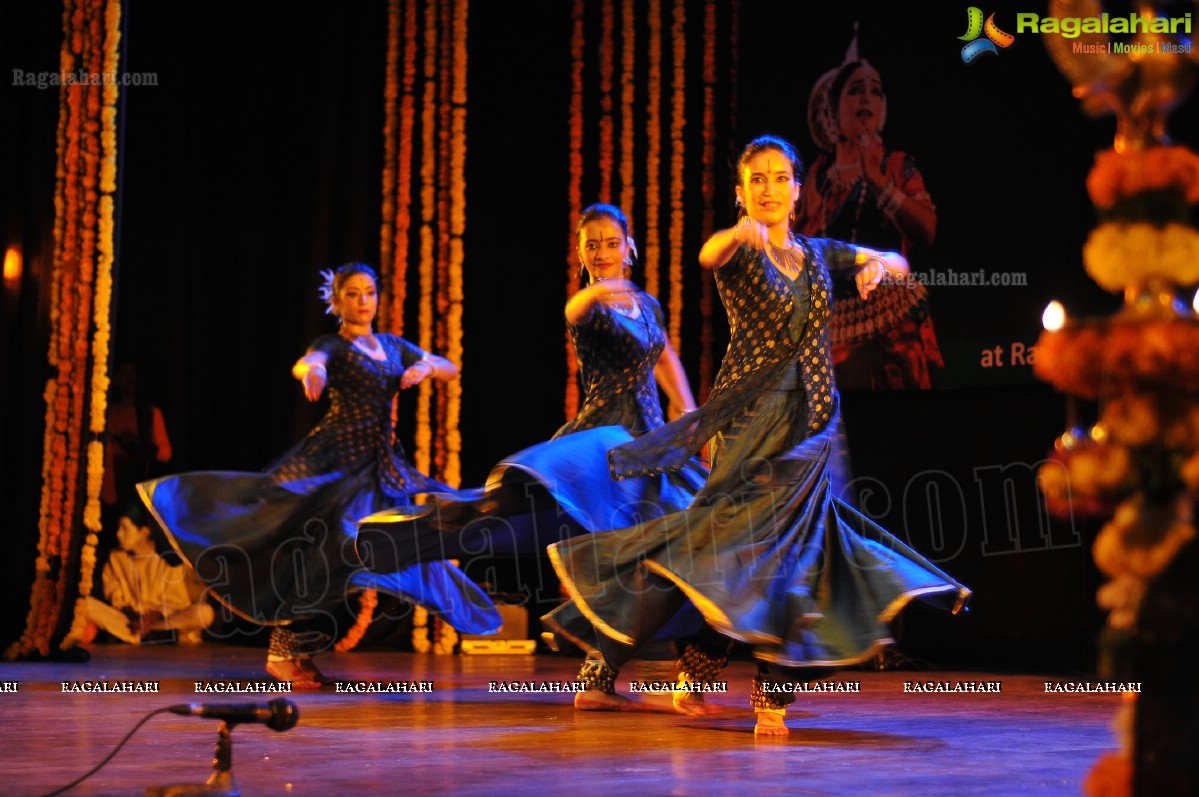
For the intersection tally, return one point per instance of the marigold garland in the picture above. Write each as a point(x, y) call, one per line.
point(403, 219)
point(441, 291)
point(81, 291)
point(1119, 176)
point(677, 150)
point(1140, 462)
point(628, 45)
point(391, 259)
point(1119, 255)
point(1086, 358)
point(574, 193)
point(436, 33)
point(452, 474)
point(653, 155)
point(367, 601)
point(708, 191)
point(607, 67)
point(391, 92)
point(428, 208)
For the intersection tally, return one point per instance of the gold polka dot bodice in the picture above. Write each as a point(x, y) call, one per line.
point(778, 341)
point(617, 352)
point(356, 433)
point(776, 319)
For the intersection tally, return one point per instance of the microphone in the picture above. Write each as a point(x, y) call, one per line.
point(278, 715)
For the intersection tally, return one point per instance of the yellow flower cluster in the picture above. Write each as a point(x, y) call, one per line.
point(1119, 255)
point(1141, 539)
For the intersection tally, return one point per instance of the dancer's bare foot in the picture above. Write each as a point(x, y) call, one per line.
point(693, 703)
point(594, 700)
point(770, 723)
point(300, 671)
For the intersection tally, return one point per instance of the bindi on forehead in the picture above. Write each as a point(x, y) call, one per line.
point(768, 163)
point(603, 232)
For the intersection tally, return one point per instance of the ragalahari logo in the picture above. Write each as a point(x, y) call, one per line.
point(975, 27)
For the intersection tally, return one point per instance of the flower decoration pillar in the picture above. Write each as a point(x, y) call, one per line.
point(80, 288)
point(1138, 466)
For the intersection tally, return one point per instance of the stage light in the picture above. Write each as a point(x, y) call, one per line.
point(12, 264)
point(1054, 317)
point(1195, 302)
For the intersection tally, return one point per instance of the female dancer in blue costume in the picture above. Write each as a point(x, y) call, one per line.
point(276, 547)
point(561, 488)
point(765, 551)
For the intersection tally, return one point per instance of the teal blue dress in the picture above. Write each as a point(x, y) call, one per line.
point(277, 547)
point(559, 488)
point(765, 551)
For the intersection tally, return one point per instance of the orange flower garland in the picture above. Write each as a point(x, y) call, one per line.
point(574, 193)
point(653, 157)
point(367, 601)
point(403, 219)
point(81, 293)
point(677, 149)
point(442, 298)
point(1118, 176)
point(428, 206)
point(452, 474)
point(1084, 359)
point(439, 31)
point(607, 66)
point(391, 315)
point(628, 44)
point(391, 91)
point(708, 191)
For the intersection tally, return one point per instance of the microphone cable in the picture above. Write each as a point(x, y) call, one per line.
point(109, 757)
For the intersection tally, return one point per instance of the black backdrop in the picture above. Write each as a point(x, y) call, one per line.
point(255, 162)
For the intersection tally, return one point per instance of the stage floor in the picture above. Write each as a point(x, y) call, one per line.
point(463, 739)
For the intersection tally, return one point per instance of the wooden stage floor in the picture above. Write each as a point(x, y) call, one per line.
point(463, 739)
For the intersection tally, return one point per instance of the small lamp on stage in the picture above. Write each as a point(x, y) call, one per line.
point(277, 715)
point(1054, 317)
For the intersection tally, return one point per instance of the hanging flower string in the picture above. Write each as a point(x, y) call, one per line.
point(708, 191)
point(102, 313)
point(403, 202)
point(607, 67)
point(435, 33)
point(368, 599)
point(81, 291)
point(444, 180)
point(452, 474)
point(628, 44)
point(653, 156)
point(574, 192)
point(677, 150)
point(391, 316)
point(428, 209)
point(391, 91)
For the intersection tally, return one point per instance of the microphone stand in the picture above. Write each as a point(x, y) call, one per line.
point(220, 783)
